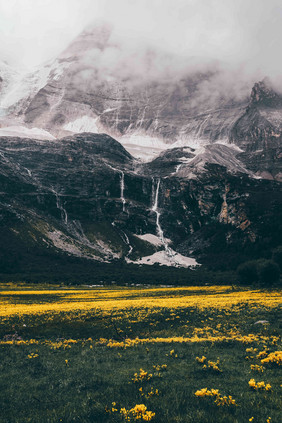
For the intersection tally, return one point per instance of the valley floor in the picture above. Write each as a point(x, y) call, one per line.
point(188, 355)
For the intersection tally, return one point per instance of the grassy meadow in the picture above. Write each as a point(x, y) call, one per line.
point(207, 354)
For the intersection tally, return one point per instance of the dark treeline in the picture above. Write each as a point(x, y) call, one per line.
point(71, 270)
point(30, 264)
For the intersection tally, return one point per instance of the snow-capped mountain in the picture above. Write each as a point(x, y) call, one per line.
point(98, 84)
point(7, 76)
point(147, 100)
point(72, 134)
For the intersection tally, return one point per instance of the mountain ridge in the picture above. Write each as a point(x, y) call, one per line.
point(111, 164)
point(85, 196)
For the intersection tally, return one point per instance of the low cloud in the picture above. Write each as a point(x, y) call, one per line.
point(235, 42)
point(122, 62)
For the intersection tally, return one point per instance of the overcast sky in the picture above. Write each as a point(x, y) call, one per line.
point(234, 31)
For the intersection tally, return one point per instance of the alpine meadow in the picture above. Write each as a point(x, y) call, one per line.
point(200, 354)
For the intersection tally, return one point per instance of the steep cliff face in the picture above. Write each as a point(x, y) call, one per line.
point(164, 111)
point(75, 176)
point(259, 132)
point(86, 196)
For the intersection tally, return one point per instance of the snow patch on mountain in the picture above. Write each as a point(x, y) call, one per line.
point(83, 124)
point(143, 147)
point(144, 140)
point(23, 85)
point(24, 132)
point(164, 259)
point(230, 145)
point(147, 148)
point(153, 239)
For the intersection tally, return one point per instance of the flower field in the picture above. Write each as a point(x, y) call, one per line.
point(207, 354)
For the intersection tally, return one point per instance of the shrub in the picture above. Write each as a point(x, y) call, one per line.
point(269, 272)
point(248, 272)
point(277, 256)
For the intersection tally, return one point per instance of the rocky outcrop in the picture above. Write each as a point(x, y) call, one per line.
point(259, 132)
point(264, 95)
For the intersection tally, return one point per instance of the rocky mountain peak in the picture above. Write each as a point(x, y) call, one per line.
point(263, 94)
point(95, 36)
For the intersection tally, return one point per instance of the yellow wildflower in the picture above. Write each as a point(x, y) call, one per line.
point(32, 355)
point(219, 399)
point(274, 358)
point(201, 360)
point(257, 368)
point(259, 385)
point(143, 376)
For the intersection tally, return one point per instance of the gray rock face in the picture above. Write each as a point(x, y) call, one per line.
point(86, 196)
point(169, 111)
point(259, 132)
point(58, 188)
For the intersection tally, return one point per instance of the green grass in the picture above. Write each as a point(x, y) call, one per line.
point(49, 389)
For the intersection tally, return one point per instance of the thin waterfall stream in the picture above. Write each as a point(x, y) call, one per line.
point(60, 207)
point(122, 191)
point(122, 186)
point(158, 214)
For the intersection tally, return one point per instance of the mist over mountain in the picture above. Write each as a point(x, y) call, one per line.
point(238, 33)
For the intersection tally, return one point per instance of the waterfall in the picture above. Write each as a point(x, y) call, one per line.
point(156, 194)
point(128, 243)
point(28, 171)
point(155, 209)
point(121, 185)
point(60, 207)
point(158, 214)
point(122, 190)
point(178, 168)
